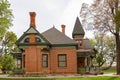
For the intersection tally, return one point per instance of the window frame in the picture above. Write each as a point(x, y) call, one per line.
point(27, 40)
point(46, 61)
point(24, 63)
point(36, 39)
point(80, 42)
point(59, 61)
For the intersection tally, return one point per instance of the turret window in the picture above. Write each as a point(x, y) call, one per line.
point(79, 42)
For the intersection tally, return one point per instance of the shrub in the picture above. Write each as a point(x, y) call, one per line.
point(18, 71)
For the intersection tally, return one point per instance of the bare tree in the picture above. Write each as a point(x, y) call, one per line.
point(105, 16)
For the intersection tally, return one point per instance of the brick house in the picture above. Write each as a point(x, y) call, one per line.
point(52, 51)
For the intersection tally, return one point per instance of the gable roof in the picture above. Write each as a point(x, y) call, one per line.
point(78, 30)
point(55, 37)
point(30, 30)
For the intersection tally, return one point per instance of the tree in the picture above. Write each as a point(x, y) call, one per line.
point(8, 62)
point(8, 43)
point(8, 46)
point(7, 38)
point(104, 14)
point(5, 17)
point(105, 50)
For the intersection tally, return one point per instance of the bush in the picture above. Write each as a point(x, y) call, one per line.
point(18, 71)
point(8, 62)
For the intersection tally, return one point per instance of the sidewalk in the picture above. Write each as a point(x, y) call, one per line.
point(61, 76)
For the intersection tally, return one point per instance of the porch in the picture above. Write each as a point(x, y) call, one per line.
point(84, 60)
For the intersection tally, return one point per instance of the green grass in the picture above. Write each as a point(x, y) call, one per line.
point(109, 71)
point(81, 78)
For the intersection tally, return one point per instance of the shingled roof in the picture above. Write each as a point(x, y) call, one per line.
point(55, 37)
point(78, 30)
point(87, 44)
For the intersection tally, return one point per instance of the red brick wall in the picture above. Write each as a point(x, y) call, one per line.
point(34, 60)
point(46, 70)
point(32, 38)
point(80, 38)
point(71, 60)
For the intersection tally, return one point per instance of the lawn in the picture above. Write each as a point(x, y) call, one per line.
point(111, 70)
point(81, 78)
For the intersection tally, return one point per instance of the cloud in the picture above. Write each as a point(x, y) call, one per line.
point(49, 13)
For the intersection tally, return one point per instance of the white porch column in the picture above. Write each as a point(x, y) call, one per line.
point(86, 64)
point(85, 61)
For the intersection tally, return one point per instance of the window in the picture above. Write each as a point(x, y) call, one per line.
point(26, 40)
point(45, 60)
point(37, 39)
point(23, 61)
point(62, 60)
point(79, 42)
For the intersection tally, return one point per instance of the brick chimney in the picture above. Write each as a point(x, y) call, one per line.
point(63, 28)
point(32, 19)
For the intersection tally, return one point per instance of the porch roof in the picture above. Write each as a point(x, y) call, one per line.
point(83, 52)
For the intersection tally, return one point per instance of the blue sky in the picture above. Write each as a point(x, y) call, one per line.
point(48, 13)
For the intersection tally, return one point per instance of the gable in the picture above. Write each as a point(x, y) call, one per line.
point(31, 30)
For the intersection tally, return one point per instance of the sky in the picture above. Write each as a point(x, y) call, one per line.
point(49, 13)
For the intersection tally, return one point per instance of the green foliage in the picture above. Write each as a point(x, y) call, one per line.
point(8, 62)
point(7, 39)
point(8, 43)
point(105, 46)
point(5, 16)
point(92, 43)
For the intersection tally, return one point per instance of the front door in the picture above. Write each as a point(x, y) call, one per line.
point(81, 64)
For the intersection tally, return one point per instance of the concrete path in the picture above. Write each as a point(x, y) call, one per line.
point(61, 76)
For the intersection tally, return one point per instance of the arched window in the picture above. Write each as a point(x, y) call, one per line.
point(27, 40)
point(79, 42)
point(37, 39)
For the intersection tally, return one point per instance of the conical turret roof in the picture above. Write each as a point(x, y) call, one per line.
point(78, 29)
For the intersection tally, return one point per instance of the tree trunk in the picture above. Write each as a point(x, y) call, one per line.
point(118, 53)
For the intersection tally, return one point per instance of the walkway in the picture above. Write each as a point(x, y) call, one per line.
point(60, 76)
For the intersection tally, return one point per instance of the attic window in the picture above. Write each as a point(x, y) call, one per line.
point(27, 40)
point(37, 39)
